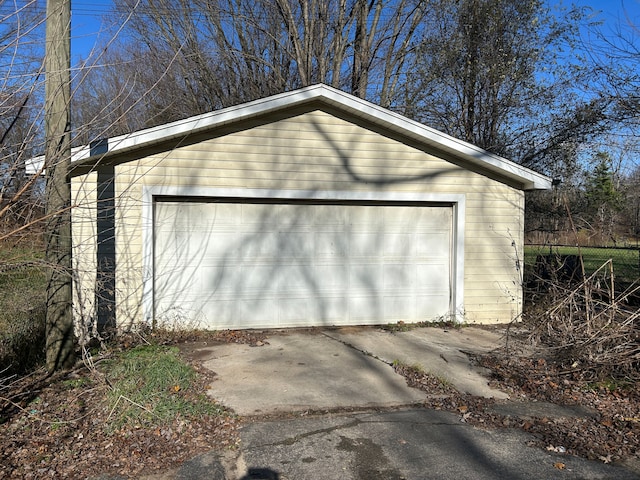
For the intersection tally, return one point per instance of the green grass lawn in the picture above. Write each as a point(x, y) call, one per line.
point(626, 262)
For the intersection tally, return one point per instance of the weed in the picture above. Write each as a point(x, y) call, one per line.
point(151, 386)
point(22, 337)
point(74, 383)
point(406, 327)
point(611, 385)
point(418, 377)
point(444, 382)
point(447, 324)
point(414, 368)
point(54, 426)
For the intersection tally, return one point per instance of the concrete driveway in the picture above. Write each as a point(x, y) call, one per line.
point(347, 367)
point(329, 377)
point(343, 371)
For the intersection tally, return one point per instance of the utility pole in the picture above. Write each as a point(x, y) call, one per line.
point(60, 340)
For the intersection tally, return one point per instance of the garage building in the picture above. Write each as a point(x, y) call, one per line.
point(309, 208)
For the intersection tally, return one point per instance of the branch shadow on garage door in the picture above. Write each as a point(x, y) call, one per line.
point(260, 263)
point(268, 264)
point(251, 265)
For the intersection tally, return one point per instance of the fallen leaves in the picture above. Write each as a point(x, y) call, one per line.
point(607, 422)
point(606, 459)
point(57, 432)
point(558, 449)
point(612, 433)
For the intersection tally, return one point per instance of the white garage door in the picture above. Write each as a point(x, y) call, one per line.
point(259, 265)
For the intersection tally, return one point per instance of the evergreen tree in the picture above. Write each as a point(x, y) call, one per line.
point(603, 200)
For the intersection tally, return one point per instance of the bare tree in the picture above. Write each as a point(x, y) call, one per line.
point(203, 55)
point(615, 53)
point(493, 73)
point(20, 93)
point(606, 120)
point(631, 207)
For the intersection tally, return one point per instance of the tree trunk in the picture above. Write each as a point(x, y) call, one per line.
point(59, 321)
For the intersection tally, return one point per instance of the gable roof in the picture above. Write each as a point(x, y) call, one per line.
point(201, 124)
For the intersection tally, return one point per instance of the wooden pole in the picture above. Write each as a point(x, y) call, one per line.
point(60, 341)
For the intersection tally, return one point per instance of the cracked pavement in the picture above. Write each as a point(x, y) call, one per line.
point(391, 445)
point(329, 406)
point(343, 368)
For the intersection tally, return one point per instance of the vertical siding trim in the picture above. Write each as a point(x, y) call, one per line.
point(458, 201)
point(106, 252)
point(457, 289)
point(147, 255)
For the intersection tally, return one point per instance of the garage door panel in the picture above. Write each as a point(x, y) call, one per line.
point(429, 277)
point(267, 246)
point(398, 245)
point(398, 308)
point(362, 308)
point(329, 308)
point(225, 242)
point(399, 277)
point(329, 245)
point(253, 246)
point(295, 245)
point(367, 219)
point(292, 279)
point(227, 214)
point(399, 216)
point(293, 310)
point(256, 216)
point(365, 245)
point(266, 265)
point(328, 216)
point(433, 302)
point(253, 279)
point(334, 278)
point(432, 220)
point(432, 245)
point(365, 278)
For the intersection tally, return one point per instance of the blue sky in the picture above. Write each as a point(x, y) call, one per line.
point(88, 19)
point(612, 10)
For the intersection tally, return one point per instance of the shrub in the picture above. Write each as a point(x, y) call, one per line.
point(22, 339)
point(22, 310)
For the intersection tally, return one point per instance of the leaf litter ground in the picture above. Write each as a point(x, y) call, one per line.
point(54, 427)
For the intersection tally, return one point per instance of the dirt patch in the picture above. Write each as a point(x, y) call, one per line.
point(608, 431)
point(53, 428)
